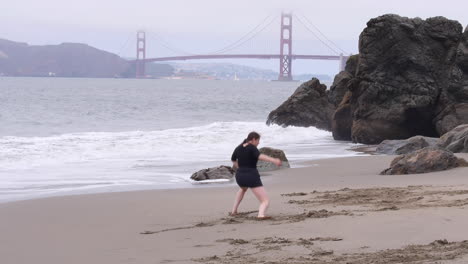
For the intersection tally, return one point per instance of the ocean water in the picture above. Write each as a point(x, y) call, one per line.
point(63, 136)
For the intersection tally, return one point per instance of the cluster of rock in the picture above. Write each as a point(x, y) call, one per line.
point(424, 160)
point(410, 78)
point(227, 172)
point(404, 146)
point(455, 141)
point(423, 154)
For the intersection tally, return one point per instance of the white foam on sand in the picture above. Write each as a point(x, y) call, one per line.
point(143, 158)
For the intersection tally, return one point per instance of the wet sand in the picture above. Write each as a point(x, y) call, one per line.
point(333, 211)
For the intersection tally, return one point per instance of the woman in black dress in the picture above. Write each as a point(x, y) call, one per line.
point(245, 158)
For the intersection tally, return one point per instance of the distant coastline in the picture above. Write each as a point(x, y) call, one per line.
point(78, 60)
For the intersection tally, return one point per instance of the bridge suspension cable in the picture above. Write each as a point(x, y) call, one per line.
point(317, 37)
point(254, 32)
point(323, 35)
point(246, 37)
point(120, 51)
point(168, 45)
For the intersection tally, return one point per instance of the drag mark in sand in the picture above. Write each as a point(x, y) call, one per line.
point(247, 217)
point(386, 198)
point(201, 224)
point(275, 250)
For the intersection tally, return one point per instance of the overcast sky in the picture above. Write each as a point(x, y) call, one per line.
point(202, 26)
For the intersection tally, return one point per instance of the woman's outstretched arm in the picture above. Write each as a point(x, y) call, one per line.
point(267, 158)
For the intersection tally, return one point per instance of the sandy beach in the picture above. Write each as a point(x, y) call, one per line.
point(332, 211)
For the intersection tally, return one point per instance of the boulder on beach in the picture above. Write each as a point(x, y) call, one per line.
point(423, 161)
point(404, 65)
point(456, 140)
point(405, 146)
point(275, 153)
point(307, 106)
point(221, 172)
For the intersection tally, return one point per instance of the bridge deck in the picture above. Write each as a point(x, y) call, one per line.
point(245, 56)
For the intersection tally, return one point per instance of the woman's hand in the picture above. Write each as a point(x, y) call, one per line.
point(278, 162)
point(267, 158)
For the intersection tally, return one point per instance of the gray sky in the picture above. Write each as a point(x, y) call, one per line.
point(202, 26)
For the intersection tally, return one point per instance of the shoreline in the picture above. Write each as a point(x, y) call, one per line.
point(335, 208)
point(89, 161)
point(187, 184)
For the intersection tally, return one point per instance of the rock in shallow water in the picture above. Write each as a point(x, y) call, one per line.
point(423, 161)
point(221, 172)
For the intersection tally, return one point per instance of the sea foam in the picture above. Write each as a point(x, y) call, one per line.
point(77, 161)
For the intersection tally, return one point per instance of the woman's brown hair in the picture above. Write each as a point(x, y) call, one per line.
point(252, 135)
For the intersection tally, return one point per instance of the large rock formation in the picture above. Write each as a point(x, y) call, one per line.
point(341, 97)
point(308, 106)
point(452, 107)
point(340, 83)
point(424, 160)
point(410, 78)
point(275, 153)
point(313, 105)
point(456, 140)
point(404, 67)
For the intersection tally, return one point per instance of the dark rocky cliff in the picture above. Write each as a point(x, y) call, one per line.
point(402, 79)
point(410, 78)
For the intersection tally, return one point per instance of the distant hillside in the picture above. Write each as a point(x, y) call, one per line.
point(64, 60)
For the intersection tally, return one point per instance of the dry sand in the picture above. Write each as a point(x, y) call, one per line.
point(334, 211)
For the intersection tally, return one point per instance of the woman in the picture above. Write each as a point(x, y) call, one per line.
point(245, 158)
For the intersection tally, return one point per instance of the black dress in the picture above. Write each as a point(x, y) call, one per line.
point(247, 174)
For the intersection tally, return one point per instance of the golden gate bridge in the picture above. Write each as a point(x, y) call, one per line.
point(285, 55)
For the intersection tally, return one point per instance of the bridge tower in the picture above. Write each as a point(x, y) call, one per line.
point(141, 54)
point(285, 48)
point(343, 60)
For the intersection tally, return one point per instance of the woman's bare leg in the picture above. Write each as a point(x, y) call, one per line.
point(262, 196)
point(237, 201)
